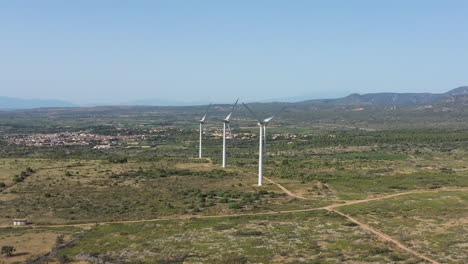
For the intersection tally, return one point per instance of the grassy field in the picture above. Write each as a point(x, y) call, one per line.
point(158, 180)
point(81, 191)
point(75, 191)
point(32, 243)
point(435, 223)
point(313, 237)
point(88, 191)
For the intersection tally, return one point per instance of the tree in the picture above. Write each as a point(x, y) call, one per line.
point(17, 179)
point(59, 240)
point(8, 250)
point(62, 259)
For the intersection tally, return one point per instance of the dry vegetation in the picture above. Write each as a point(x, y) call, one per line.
point(32, 243)
point(434, 223)
point(314, 237)
point(163, 193)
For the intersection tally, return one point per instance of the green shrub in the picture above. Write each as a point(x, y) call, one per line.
point(8, 250)
point(118, 160)
point(234, 206)
point(234, 259)
point(248, 233)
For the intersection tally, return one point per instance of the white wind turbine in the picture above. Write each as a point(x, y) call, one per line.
point(202, 125)
point(262, 123)
point(226, 122)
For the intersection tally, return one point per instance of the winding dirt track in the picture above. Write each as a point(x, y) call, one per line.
point(329, 208)
point(386, 238)
point(332, 208)
point(382, 236)
point(181, 217)
point(288, 192)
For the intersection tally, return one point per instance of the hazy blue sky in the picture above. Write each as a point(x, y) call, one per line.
point(119, 51)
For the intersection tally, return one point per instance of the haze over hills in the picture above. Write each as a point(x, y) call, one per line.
point(19, 103)
point(450, 111)
point(391, 98)
point(352, 99)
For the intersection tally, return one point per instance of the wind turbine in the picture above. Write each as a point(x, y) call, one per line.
point(262, 123)
point(226, 122)
point(202, 125)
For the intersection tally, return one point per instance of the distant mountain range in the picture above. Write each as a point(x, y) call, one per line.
point(165, 102)
point(390, 98)
point(18, 103)
point(7, 103)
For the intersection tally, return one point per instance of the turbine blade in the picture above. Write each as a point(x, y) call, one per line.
point(206, 113)
point(268, 119)
point(228, 117)
point(273, 116)
point(203, 118)
point(208, 108)
point(234, 106)
point(253, 113)
point(232, 110)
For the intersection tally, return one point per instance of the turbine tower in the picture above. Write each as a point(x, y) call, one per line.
point(202, 125)
point(262, 123)
point(226, 122)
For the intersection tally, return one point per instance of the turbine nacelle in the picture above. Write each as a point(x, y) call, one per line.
point(266, 121)
point(262, 121)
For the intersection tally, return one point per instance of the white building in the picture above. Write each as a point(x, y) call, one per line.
point(102, 147)
point(19, 222)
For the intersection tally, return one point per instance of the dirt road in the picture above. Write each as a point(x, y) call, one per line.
point(332, 208)
point(386, 238)
point(284, 189)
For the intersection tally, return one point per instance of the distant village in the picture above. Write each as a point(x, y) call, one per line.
point(97, 141)
point(73, 139)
